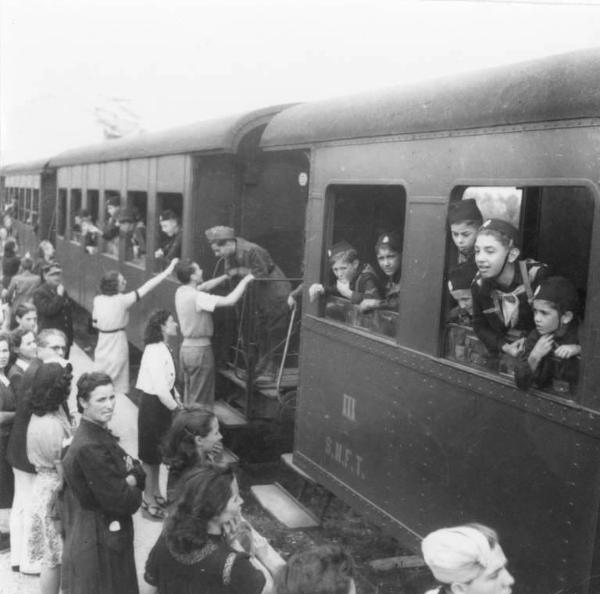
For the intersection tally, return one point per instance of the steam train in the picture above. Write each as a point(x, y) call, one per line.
point(390, 416)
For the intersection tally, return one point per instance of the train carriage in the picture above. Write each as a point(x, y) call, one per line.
point(29, 190)
point(391, 416)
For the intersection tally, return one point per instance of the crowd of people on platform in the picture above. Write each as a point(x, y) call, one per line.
point(68, 490)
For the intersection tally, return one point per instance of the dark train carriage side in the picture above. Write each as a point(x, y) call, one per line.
point(29, 190)
point(414, 432)
point(209, 173)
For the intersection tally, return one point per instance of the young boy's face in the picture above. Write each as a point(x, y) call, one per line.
point(464, 298)
point(463, 236)
point(545, 316)
point(490, 255)
point(344, 271)
point(388, 260)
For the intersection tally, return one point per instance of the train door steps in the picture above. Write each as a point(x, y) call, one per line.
point(229, 416)
point(284, 507)
point(266, 384)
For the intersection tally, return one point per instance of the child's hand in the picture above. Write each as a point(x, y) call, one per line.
point(315, 290)
point(367, 304)
point(514, 348)
point(344, 289)
point(543, 346)
point(566, 351)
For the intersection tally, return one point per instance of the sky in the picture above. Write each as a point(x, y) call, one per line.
point(173, 62)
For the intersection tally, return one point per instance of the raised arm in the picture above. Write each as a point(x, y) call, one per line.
point(235, 295)
point(152, 283)
point(209, 285)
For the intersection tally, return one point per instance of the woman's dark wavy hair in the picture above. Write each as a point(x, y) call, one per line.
point(87, 383)
point(51, 387)
point(326, 569)
point(24, 308)
point(204, 496)
point(109, 283)
point(5, 337)
point(153, 332)
point(179, 445)
point(16, 338)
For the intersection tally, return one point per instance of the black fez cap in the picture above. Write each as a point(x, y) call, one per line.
point(114, 201)
point(461, 276)
point(560, 291)
point(341, 247)
point(464, 210)
point(503, 227)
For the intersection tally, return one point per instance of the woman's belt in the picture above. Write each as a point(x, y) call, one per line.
point(111, 331)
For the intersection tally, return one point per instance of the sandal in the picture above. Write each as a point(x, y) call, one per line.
point(144, 505)
point(154, 512)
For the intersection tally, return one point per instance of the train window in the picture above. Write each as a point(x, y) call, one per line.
point(21, 205)
point(35, 208)
point(93, 205)
point(75, 215)
point(134, 228)
point(554, 230)
point(110, 230)
point(361, 269)
point(169, 229)
point(61, 215)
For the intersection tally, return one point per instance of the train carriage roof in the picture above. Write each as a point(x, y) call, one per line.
point(555, 88)
point(28, 168)
point(218, 135)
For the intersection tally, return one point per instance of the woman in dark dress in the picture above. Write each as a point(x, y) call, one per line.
point(104, 490)
point(199, 550)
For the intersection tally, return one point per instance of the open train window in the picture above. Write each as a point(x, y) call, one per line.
point(75, 215)
point(21, 205)
point(110, 228)
point(360, 279)
point(61, 215)
point(554, 230)
point(169, 204)
point(93, 205)
point(134, 229)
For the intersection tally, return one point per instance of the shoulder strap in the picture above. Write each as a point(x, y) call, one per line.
point(525, 278)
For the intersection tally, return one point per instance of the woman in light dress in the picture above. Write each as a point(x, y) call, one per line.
point(110, 317)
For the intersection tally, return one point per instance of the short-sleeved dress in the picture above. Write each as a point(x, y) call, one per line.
point(111, 316)
point(45, 440)
point(7, 404)
point(214, 569)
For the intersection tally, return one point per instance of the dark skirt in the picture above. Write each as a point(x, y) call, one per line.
point(154, 420)
point(6, 476)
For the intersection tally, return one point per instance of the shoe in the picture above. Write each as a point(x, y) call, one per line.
point(15, 568)
point(4, 541)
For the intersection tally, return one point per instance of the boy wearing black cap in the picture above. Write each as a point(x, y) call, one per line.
point(460, 279)
point(464, 218)
point(550, 354)
point(354, 281)
point(502, 289)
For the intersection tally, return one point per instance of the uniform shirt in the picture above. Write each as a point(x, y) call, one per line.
point(489, 320)
point(550, 367)
point(365, 285)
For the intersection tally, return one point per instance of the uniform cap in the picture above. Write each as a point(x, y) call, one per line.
point(462, 276)
point(114, 201)
point(464, 210)
point(390, 240)
point(219, 233)
point(503, 227)
point(341, 247)
point(456, 554)
point(560, 291)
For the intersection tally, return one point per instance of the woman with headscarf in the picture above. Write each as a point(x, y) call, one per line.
point(467, 560)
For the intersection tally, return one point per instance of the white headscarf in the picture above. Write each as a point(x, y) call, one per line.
point(456, 554)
